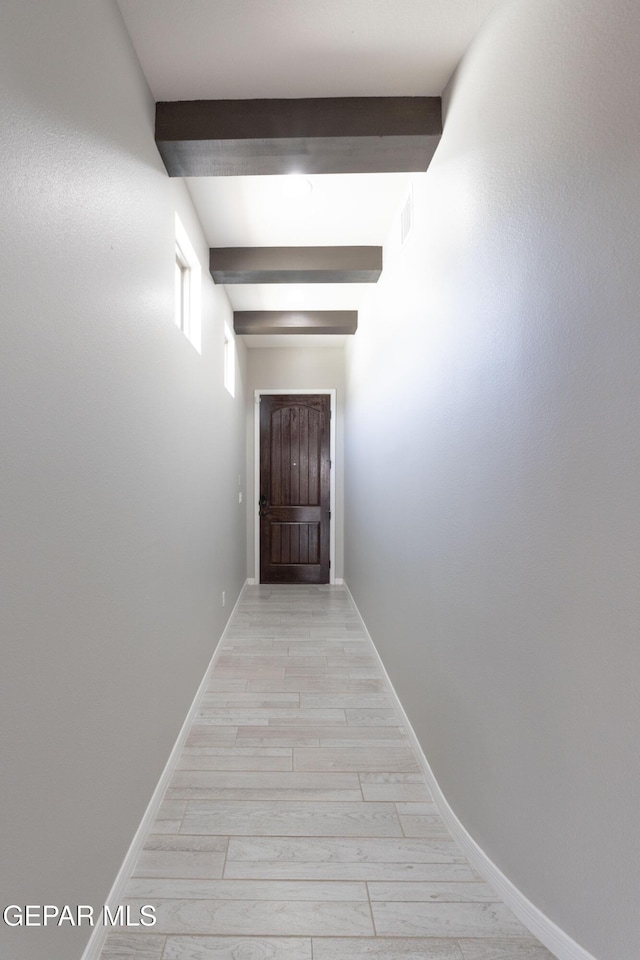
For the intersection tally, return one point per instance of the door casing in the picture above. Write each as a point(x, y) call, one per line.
point(281, 391)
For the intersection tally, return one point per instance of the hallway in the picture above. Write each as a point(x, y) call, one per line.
point(487, 496)
point(297, 825)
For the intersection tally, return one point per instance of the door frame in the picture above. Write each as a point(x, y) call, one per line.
point(281, 391)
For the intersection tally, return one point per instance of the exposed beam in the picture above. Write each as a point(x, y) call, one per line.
point(295, 264)
point(212, 138)
point(291, 321)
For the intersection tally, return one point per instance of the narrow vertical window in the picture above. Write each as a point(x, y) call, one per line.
point(229, 361)
point(187, 279)
point(183, 281)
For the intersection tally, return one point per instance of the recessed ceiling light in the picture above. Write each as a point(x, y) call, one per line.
point(295, 186)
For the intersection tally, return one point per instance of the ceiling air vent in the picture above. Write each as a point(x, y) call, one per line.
point(406, 218)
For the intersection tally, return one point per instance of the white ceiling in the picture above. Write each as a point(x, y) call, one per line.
point(339, 209)
point(254, 211)
point(238, 49)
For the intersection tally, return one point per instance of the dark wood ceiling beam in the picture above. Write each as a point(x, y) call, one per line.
point(212, 138)
point(295, 264)
point(291, 321)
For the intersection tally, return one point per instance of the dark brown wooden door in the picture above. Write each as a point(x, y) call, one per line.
point(294, 489)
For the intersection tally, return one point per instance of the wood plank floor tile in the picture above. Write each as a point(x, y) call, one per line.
point(171, 810)
point(381, 948)
point(359, 758)
point(186, 843)
point(392, 777)
point(204, 720)
point(203, 736)
point(214, 785)
point(336, 673)
point(243, 762)
point(346, 849)
point(270, 659)
point(330, 724)
point(337, 870)
point(472, 892)
point(329, 685)
point(238, 948)
point(394, 790)
point(235, 750)
point(372, 717)
point(427, 826)
point(396, 919)
point(291, 819)
point(167, 856)
point(133, 946)
point(239, 698)
point(246, 671)
point(165, 826)
point(181, 889)
point(285, 701)
point(488, 949)
point(306, 731)
point(282, 741)
point(425, 808)
point(247, 714)
point(356, 743)
point(345, 700)
point(260, 917)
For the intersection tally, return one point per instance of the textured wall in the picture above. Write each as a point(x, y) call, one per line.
point(120, 523)
point(299, 368)
point(493, 460)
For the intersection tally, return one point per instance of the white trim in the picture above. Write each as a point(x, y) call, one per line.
point(98, 937)
point(332, 481)
point(547, 932)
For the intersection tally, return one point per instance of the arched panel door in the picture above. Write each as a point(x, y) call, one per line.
point(294, 488)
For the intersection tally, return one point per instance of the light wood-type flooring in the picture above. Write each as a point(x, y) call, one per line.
point(297, 825)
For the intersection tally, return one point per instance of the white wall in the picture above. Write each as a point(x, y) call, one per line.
point(297, 368)
point(493, 430)
point(121, 450)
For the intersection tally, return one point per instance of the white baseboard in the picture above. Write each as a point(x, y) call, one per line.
point(97, 940)
point(251, 582)
point(339, 582)
point(547, 932)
